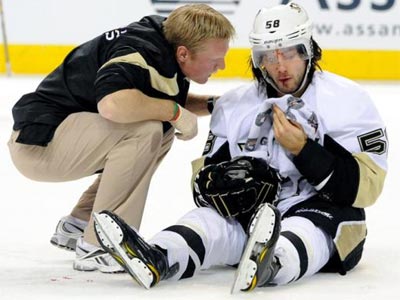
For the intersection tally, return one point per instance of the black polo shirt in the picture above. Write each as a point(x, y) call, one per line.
point(134, 57)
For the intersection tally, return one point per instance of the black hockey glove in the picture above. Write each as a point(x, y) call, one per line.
point(237, 186)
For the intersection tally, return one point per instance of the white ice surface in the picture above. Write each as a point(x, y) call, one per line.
point(31, 268)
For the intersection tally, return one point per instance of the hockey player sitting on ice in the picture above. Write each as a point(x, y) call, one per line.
point(325, 139)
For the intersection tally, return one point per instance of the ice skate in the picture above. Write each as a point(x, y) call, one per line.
point(145, 263)
point(258, 266)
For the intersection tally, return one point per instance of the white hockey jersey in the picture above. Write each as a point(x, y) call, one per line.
point(331, 106)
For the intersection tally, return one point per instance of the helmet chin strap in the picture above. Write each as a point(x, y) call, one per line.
point(272, 83)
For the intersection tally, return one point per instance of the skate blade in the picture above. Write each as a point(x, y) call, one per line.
point(111, 237)
point(244, 280)
point(245, 274)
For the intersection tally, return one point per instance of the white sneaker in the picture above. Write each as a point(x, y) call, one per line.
point(68, 230)
point(92, 258)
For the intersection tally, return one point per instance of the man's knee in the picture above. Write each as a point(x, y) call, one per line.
point(149, 133)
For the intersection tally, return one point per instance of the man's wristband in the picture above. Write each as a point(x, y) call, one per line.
point(176, 112)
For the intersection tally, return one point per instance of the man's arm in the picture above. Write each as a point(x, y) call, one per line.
point(200, 105)
point(339, 176)
point(353, 179)
point(131, 105)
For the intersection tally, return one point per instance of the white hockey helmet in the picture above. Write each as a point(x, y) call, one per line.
point(281, 27)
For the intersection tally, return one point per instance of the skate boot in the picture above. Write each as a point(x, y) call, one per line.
point(258, 265)
point(69, 229)
point(146, 264)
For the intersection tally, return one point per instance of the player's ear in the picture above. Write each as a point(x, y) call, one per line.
point(182, 53)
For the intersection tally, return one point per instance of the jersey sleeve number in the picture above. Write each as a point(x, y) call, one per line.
point(373, 142)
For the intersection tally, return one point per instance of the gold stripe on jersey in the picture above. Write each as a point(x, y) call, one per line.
point(371, 182)
point(348, 236)
point(160, 83)
point(197, 164)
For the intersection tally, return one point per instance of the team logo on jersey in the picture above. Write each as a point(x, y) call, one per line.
point(262, 117)
point(226, 7)
point(294, 103)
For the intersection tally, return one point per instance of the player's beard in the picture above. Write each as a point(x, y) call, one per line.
point(290, 86)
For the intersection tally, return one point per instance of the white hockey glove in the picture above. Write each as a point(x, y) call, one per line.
point(185, 123)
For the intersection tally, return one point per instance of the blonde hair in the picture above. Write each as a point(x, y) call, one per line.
point(191, 25)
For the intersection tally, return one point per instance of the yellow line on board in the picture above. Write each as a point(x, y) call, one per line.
point(354, 64)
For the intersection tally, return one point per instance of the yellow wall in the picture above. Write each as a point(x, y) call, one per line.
point(355, 64)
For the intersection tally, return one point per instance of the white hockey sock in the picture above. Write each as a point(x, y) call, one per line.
point(178, 250)
point(201, 239)
point(303, 249)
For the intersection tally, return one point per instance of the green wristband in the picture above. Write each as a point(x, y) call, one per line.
point(176, 111)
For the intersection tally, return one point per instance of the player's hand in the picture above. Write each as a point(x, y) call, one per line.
point(288, 133)
point(185, 124)
point(236, 186)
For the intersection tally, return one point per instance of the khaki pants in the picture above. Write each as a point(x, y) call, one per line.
point(86, 143)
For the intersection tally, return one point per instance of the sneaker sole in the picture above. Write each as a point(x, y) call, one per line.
point(245, 276)
point(69, 245)
point(90, 267)
point(111, 237)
